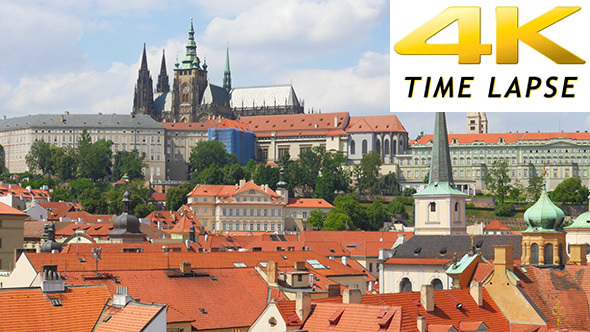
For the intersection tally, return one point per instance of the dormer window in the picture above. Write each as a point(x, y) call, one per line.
point(455, 141)
point(501, 139)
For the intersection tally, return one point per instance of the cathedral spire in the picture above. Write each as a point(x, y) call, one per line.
point(143, 99)
point(227, 72)
point(191, 60)
point(144, 65)
point(163, 81)
point(440, 167)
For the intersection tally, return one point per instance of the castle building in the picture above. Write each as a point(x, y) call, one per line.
point(194, 99)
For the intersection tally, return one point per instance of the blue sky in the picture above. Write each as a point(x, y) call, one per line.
point(83, 56)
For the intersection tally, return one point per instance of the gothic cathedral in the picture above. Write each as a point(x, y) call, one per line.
point(194, 99)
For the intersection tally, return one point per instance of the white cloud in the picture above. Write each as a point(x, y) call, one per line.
point(355, 89)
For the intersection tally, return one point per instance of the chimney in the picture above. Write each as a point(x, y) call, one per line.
point(427, 297)
point(52, 281)
point(272, 272)
point(159, 225)
point(344, 260)
point(476, 292)
point(29, 188)
point(503, 258)
point(122, 297)
point(333, 290)
point(578, 254)
point(421, 324)
point(303, 305)
point(185, 267)
point(335, 121)
point(351, 296)
point(299, 266)
point(242, 182)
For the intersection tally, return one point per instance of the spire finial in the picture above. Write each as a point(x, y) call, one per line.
point(227, 72)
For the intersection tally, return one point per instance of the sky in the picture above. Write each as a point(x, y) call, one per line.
point(83, 56)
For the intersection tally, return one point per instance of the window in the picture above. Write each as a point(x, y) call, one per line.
point(257, 227)
point(456, 206)
point(352, 147)
point(437, 283)
point(370, 267)
point(405, 285)
point(266, 212)
point(265, 227)
point(258, 212)
point(283, 151)
point(239, 264)
point(432, 207)
point(304, 215)
point(280, 212)
point(364, 146)
point(224, 211)
point(251, 212)
point(294, 214)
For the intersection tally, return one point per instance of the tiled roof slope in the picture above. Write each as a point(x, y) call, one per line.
point(132, 318)
point(296, 122)
point(444, 246)
point(34, 229)
point(234, 124)
point(7, 210)
point(234, 298)
point(353, 318)
point(552, 288)
point(508, 137)
point(309, 203)
point(28, 309)
point(371, 248)
point(80, 121)
point(445, 309)
point(227, 191)
point(377, 124)
point(496, 225)
point(350, 238)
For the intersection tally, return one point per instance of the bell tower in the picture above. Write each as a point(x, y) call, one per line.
point(190, 81)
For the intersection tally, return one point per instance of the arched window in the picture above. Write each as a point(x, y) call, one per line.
point(535, 254)
point(364, 146)
point(560, 253)
point(394, 151)
point(405, 285)
point(432, 207)
point(456, 206)
point(386, 146)
point(438, 285)
point(378, 146)
point(548, 255)
point(352, 147)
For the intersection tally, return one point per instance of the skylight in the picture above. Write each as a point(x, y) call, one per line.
point(315, 264)
point(239, 264)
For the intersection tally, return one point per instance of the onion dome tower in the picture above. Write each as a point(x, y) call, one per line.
point(50, 246)
point(543, 242)
point(126, 226)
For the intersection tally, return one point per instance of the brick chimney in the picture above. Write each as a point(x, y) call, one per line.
point(503, 258)
point(578, 254)
point(52, 281)
point(351, 296)
point(299, 266)
point(272, 272)
point(185, 267)
point(427, 297)
point(333, 290)
point(476, 292)
point(303, 305)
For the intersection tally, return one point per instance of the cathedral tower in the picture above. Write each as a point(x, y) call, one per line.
point(190, 81)
point(227, 73)
point(163, 81)
point(143, 99)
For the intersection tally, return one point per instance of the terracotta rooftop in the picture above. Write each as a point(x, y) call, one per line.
point(296, 122)
point(508, 137)
point(131, 318)
point(7, 210)
point(377, 124)
point(34, 229)
point(226, 191)
point(353, 318)
point(352, 239)
point(234, 124)
point(315, 203)
point(496, 225)
point(18, 191)
point(370, 248)
point(28, 309)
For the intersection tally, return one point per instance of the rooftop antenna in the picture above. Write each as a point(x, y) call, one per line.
point(96, 252)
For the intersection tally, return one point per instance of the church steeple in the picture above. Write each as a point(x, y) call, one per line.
point(440, 167)
point(227, 73)
point(163, 81)
point(143, 99)
point(191, 60)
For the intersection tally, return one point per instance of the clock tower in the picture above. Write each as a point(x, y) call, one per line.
point(190, 81)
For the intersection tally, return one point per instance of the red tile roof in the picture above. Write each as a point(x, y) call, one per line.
point(496, 225)
point(212, 123)
point(131, 318)
point(159, 197)
point(370, 248)
point(34, 229)
point(89, 217)
point(227, 192)
point(7, 210)
point(351, 238)
point(508, 137)
point(288, 124)
point(376, 124)
point(18, 191)
point(353, 318)
point(28, 309)
point(416, 261)
point(234, 124)
point(232, 298)
point(445, 312)
point(315, 203)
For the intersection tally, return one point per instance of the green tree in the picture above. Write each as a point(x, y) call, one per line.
point(516, 191)
point(377, 215)
point(571, 191)
point(351, 206)
point(39, 157)
point(317, 218)
point(337, 221)
point(232, 174)
point(65, 162)
point(250, 169)
point(310, 164)
point(396, 207)
point(332, 177)
point(61, 194)
point(388, 185)
point(130, 163)
point(77, 186)
point(211, 175)
point(176, 196)
point(498, 181)
point(367, 172)
point(94, 159)
point(142, 210)
point(266, 174)
point(504, 210)
point(206, 153)
point(426, 178)
point(94, 201)
point(408, 192)
point(535, 187)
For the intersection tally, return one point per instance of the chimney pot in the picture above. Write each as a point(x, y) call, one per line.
point(344, 260)
point(303, 305)
point(503, 258)
point(427, 297)
point(578, 254)
point(351, 296)
point(421, 323)
point(476, 292)
point(185, 267)
point(333, 290)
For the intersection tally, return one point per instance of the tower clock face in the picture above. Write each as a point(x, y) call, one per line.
point(185, 89)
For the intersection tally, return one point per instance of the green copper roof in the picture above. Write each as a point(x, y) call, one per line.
point(191, 61)
point(441, 173)
point(462, 264)
point(582, 221)
point(544, 216)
